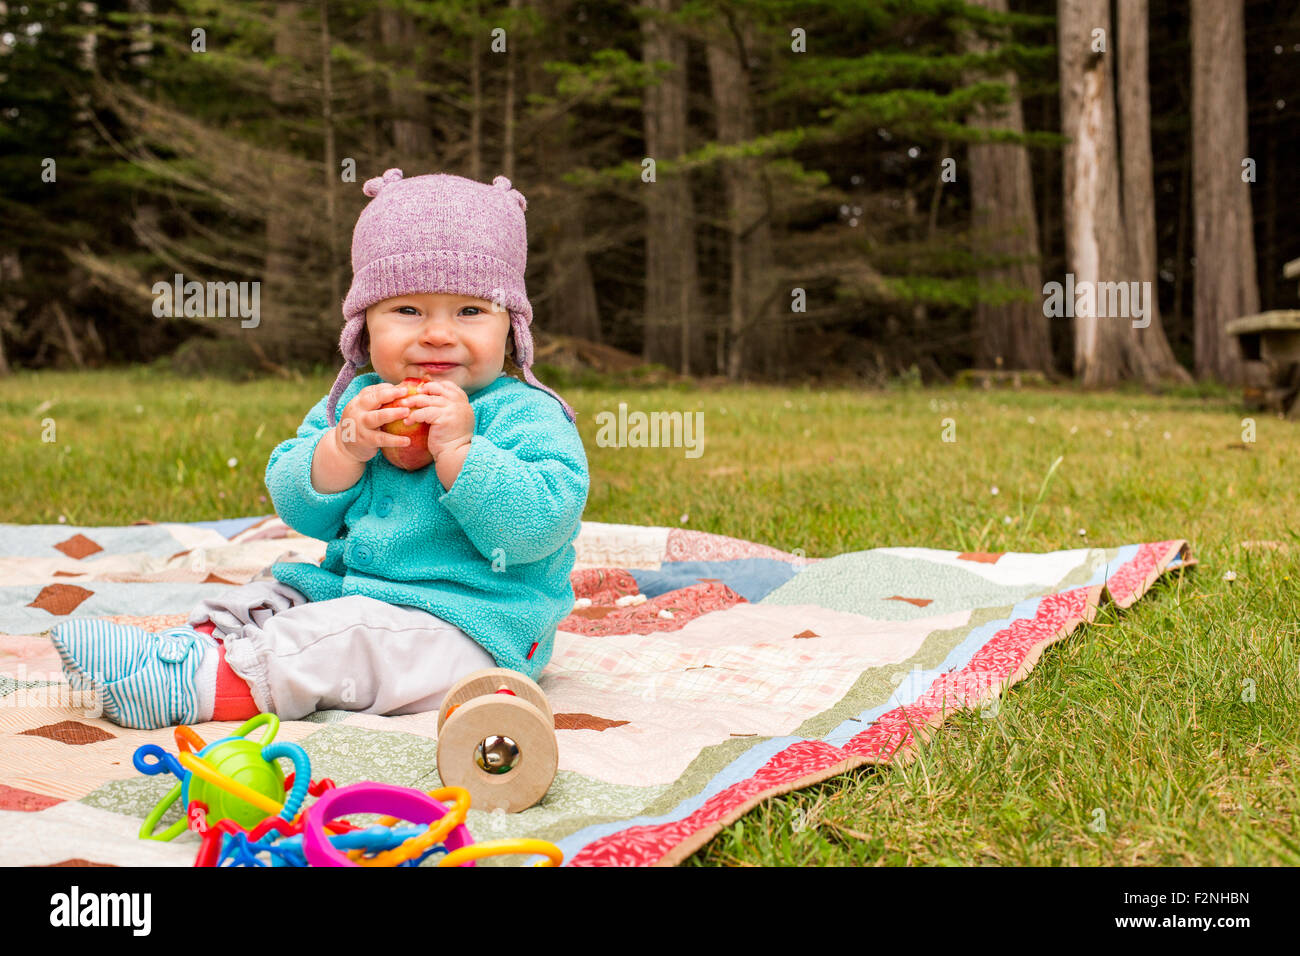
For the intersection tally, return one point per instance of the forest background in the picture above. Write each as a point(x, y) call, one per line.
point(763, 191)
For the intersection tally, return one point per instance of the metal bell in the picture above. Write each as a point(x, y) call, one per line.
point(497, 754)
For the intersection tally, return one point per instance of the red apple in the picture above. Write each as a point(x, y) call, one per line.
point(415, 455)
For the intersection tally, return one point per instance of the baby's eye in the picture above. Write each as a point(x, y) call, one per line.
point(412, 310)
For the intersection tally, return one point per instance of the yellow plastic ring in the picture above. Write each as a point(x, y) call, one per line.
point(200, 767)
point(478, 851)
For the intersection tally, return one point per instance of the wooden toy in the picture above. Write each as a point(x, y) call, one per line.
point(496, 739)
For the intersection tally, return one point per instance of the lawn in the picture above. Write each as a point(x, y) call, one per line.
point(1163, 735)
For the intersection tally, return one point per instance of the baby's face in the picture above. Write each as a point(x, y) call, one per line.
point(409, 333)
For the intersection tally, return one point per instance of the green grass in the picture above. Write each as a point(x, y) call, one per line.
point(1140, 715)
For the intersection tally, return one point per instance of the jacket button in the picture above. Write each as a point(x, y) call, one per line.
point(364, 554)
point(384, 506)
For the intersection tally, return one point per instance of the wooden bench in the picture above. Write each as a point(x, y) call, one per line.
point(1270, 344)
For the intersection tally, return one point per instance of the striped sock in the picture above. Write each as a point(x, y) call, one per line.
point(94, 651)
point(143, 680)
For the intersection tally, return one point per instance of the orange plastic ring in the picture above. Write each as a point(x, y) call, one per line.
point(185, 737)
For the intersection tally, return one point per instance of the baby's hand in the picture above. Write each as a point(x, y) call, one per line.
point(360, 428)
point(445, 408)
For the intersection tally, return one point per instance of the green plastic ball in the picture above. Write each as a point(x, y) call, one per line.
point(241, 761)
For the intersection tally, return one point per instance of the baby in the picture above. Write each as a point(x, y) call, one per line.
point(428, 575)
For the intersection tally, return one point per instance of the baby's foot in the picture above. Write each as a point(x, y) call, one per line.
point(144, 681)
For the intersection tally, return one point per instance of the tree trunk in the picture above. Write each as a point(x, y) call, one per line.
point(755, 333)
point(11, 274)
point(1225, 282)
point(70, 344)
point(1180, 244)
point(476, 98)
point(282, 323)
point(508, 124)
point(563, 228)
point(412, 137)
point(570, 284)
point(141, 47)
point(1139, 181)
point(1014, 335)
point(331, 161)
point(672, 293)
point(83, 135)
point(1106, 349)
point(147, 212)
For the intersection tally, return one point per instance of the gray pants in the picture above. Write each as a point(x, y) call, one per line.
point(351, 653)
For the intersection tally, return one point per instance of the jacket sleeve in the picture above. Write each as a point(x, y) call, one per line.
point(520, 494)
point(288, 480)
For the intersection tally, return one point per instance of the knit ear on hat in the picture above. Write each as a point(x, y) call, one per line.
point(503, 184)
point(372, 187)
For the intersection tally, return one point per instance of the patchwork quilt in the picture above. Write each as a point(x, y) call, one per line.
point(697, 675)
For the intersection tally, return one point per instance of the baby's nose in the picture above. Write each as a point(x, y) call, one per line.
point(438, 329)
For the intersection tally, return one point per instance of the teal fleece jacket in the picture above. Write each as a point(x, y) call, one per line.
point(492, 555)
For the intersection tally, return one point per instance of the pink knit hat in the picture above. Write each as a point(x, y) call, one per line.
point(437, 233)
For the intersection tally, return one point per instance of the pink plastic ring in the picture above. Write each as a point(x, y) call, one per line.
point(404, 803)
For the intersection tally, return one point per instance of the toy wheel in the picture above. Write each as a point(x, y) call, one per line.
point(510, 774)
point(486, 682)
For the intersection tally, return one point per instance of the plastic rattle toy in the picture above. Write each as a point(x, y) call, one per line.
point(496, 739)
point(303, 842)
point(229, 844)
point(232, 779)
point(402, 803)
